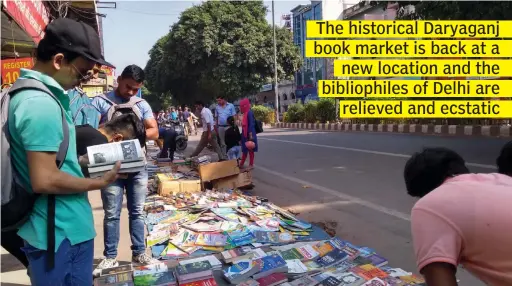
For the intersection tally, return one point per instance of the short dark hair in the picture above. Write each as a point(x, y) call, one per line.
point(221, 97)
point(199, 102)
point(48, 48)
point(504, 160)
point(427, 170)
point(129, 125)
point(134, 72)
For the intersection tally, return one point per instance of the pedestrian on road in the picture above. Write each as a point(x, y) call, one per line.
point(233, 139)
point(504, 161)
point(249, 138)
point(461, 218)
point(59, 233)
point(124, 100)
point(223, 110)
point(208, 135)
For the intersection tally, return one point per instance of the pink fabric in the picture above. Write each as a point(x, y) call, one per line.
point(468, 221)
point(245, 106)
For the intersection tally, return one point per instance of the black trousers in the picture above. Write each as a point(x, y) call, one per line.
point(13, 244)
point(169, 146)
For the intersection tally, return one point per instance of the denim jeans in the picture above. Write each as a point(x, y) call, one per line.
point(112, 197)
point(73, 264)
point(234, 153)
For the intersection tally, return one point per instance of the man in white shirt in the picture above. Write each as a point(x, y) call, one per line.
point(208, 135)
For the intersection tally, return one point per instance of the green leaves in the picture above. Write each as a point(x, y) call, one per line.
point(219, 48)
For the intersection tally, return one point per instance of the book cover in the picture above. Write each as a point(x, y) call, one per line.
point(156, 279)
point(350, 279)
point(323, 248)
point(395, 272)
point(117, 270)
point(211, 239)
point(211, 259)
point(195, 267)
point(114, 279)
point(412, 279)
point(330, 281)
point(150, 269)
point(242, 270)
point(271, 264)
point(291, 254)
point(331, 258)
point(346, 265)
point(394, 281)
point(375, 282)
point(250, 282)
point(204, 282)
point(308, 252)
point(369, 272)
point(304, 281)
point(360, 260)
point(272, 279)
point(240, 236)
point(377, 260)
point(366, 251)
point(351, 250)
point(295, 266)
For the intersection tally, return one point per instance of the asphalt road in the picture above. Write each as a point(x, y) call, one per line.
point(355, 181)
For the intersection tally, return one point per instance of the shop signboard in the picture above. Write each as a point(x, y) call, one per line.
point(107, 70)
point(266, 87)
point(31, 16)
point(11, 68)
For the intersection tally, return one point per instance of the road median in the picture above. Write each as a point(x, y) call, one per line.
point(457, 130)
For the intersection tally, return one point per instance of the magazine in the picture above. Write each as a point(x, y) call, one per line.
point(103, 157)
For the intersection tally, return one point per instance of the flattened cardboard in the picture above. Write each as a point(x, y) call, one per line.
point(241, 180)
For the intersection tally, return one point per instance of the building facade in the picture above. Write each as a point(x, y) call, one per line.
point(313, 69)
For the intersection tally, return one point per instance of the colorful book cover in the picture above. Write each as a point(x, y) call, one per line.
point(243, 269)
point(395, 272)
point(366, 251)
point(345, 265)
point(205, 282)
point(150, 269)
point(194, 267)
point(369, 272)
point(350, 279)
point(308, 252)
point(330, 281)
point(360, 260)
point(271, 263)
point(117, 270)
point(304, 281)
point(211, 239)
point(211, 259)
point(338, 243)
point(272, 279)
point(291, 254)
point(240, 236)
point(332, 258)
point(157, 279)
point(250, 282)
point(295, 266)
point(375, 282)
point(377, 260)
point(351, 250)
point(394, 281)
point(323, 248)
point(114, 279)
point(412, 279)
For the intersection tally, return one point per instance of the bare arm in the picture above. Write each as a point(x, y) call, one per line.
point(440, 274)
point(46, 178)
point(151, 129)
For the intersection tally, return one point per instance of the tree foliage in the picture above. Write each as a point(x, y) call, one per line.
point(219, 48)
point(456, 10)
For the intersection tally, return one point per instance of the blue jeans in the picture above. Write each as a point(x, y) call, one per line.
point(112, 197)
point(234, 153)
point(73, 264)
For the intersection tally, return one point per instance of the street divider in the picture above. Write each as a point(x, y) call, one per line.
point(460, 130)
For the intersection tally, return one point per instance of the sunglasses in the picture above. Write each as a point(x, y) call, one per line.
point(81, 77)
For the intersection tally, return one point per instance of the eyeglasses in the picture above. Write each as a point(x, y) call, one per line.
point(82, 77)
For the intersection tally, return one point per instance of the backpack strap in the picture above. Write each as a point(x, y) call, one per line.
point(23, 84)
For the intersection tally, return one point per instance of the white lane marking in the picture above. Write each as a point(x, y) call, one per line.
point(484, 166)
point(340, 195)
point(313, 170)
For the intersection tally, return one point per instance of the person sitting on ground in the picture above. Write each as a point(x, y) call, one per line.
point(232, 139)
point(123, 127)
point(504, 161)
point(461, 218)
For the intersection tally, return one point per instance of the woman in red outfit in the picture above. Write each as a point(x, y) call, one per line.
point(249, 138)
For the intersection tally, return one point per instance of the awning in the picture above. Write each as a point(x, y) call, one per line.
point(15, 41)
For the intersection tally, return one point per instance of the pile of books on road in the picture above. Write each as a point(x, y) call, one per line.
point(210, 237)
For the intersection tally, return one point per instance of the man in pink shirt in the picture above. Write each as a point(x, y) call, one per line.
point(461, 218)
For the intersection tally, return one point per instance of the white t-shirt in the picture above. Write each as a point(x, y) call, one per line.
point(207, 117)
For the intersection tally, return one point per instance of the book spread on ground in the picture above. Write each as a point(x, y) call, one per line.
point(103, 157)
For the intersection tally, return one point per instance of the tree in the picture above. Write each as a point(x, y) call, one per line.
point(456, 10)
point(220, 48)
point(157, 101)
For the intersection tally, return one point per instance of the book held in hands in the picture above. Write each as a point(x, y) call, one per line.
point(103, 157)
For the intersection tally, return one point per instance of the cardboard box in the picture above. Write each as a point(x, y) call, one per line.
point(241, 180)
point(217, 170)
point(170, 187)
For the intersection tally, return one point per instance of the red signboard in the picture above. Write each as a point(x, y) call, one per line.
point(11, 68)
point(108, 70)
point(31, 16)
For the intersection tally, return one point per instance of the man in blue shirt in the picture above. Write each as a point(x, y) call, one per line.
point(129, 83)
point(223, 110)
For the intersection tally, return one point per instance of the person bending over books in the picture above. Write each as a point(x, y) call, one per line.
point(169, 145)
point(461, 218)
point(123, 127)
point(232, 139)
point(504, 161)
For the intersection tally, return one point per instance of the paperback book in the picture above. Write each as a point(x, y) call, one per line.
point(103, 157)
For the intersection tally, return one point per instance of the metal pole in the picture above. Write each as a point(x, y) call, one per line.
point(275, 63)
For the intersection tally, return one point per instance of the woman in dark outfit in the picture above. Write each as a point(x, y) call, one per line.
point(232, 138)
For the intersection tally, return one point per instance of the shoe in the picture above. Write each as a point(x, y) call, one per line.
point(144, 259)
point(105, 264)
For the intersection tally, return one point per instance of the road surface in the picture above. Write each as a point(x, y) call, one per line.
point(355, 179)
